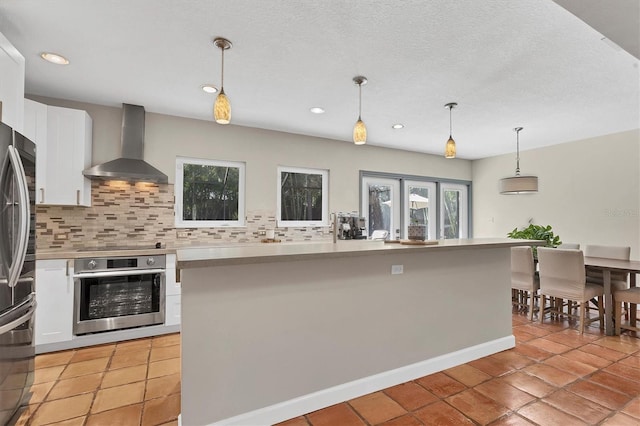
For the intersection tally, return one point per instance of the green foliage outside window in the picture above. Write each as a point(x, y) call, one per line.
point(210, 192)
point(301, 196)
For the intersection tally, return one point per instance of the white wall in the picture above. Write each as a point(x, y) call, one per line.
point(589, 191)
point(263, 151)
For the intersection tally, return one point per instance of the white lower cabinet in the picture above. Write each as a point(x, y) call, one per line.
point(54, 296)
point(173, 290)
point(172, 310)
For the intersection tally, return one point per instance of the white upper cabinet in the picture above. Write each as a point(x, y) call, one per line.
point(11, 85)
point(63, 139)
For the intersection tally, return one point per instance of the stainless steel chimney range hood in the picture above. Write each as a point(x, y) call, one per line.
point(130, 166)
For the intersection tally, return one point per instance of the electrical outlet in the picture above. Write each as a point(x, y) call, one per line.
point(182, 234)
point(397, 269)
point(262, 233)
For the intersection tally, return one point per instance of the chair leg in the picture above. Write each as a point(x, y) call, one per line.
point(618, 315)
point(531, 300)
point(543, 299)
point(601, 311)
point(583, 308)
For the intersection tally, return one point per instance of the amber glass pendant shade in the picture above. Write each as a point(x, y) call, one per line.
point(222, 109)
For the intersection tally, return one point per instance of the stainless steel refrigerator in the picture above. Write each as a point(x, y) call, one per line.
point(17, 270)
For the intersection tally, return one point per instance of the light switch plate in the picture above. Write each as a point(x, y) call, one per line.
point(397, 269)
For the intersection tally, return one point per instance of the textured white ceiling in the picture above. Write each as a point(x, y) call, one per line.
point(526, 63)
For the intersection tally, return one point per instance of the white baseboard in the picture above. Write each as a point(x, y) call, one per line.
point(107, 337)
point(346, 391)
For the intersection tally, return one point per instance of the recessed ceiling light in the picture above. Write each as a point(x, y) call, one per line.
point(54, 58)
point(209, 88)
point(317, 110)
point(397, 126)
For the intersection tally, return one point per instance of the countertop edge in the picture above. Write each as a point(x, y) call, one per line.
point(194, 257)
point(78, 254)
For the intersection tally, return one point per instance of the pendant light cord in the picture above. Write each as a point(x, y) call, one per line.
point(359, 101)
point(222, 72)
point(518, 152)
point(450, 132)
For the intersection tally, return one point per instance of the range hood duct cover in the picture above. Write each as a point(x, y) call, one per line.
point(130, 167)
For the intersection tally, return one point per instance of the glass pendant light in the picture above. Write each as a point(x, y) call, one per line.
point(518, 184)
point(450, 149)
point(360, 130)
point(222, 107)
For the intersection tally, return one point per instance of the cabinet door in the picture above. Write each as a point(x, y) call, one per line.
point(35, 128)
point(172, 310)
point(68, 154)
point(11, 85)
point(54, 296)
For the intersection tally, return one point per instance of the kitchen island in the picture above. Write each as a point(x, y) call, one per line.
point(273, 331)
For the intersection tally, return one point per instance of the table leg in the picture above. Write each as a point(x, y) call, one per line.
point(632, 306)
point(608, 304)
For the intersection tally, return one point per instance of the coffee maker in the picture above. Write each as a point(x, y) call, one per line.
point(351, 227)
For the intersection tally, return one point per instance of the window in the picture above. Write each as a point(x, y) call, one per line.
point(209, 193)
point(303, 197)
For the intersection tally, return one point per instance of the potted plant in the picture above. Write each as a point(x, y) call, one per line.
point(537, 232)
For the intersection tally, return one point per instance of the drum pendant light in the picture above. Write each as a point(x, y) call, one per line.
point(222, 107)
point(518, 184)
point(450, 148)
point(360, 130)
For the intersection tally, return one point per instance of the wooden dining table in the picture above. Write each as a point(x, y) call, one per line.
point(607, 266)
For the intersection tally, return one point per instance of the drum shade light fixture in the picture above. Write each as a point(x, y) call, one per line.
point(360, 130)
point(450, 148)
point(222, 107)
point(518, 184)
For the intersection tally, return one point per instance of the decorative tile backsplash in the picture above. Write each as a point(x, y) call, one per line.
point(141, 214)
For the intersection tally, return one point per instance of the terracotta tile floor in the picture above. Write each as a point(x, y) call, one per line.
point(553, 376)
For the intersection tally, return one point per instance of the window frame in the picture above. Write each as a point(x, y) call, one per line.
point(179, 188)
point(324, 221)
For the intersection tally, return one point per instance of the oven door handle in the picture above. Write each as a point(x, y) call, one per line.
point(118, 273)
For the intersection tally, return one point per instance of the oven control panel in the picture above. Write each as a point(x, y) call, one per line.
point(124, 263)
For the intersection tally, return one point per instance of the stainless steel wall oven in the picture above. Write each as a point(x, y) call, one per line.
point(113, 293)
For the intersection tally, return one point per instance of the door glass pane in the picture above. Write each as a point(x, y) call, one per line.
point(453, 211)
point(420, 206)
point(451, 201)
point(380, 207)
point(380, 204)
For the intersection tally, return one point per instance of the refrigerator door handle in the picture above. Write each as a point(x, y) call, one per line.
point(20, 250)
point(28, 305)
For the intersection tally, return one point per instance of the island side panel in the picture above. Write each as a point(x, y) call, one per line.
point(259, 334)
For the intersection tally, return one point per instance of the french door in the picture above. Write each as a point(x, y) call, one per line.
point(381, 205)
point(392, 204)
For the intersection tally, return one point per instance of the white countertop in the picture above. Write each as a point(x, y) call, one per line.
point(197, 257)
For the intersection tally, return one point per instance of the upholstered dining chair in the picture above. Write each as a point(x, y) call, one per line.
point(562, 275)
point(630, 295)
point(569, 246)
point(524, 282)
point(618, 279)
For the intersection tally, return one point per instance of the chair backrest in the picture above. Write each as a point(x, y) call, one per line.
point(607, 252)
point(522, 268)
point(569, 246)
point(561, 273)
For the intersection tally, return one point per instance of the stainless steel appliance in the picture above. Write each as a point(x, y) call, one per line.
point(351, 227)
point(17, 269)
point(113, 293)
